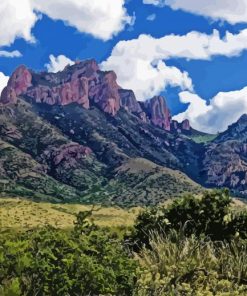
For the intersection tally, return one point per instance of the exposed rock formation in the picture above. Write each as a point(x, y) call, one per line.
point(129, 102)
point(83, 83)
point(186, 125)
point(103, 90)
point(180, 127)
point(70, 153)
point(158, 112)
point(18, 83)
point(80, 83)
point(75, 91)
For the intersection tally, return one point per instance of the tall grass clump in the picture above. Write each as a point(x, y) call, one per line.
point(178, 265)
point(195, 246)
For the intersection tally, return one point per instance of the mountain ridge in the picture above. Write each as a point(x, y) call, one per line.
point(81, 127)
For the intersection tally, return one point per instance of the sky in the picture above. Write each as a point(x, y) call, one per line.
point(192, 52)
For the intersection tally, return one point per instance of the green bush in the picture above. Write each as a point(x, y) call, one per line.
point(88, 261)
point(195, 247)
point(210, 215)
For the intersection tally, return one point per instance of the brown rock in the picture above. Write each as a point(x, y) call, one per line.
point(69, 153)
point(75, 91)
point(186, 125)
point(80, 83)
point(103, 90)
point(18, 83)
point(129, 102)
point(158, 112)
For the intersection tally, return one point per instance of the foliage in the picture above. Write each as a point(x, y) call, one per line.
point(178, 265)
point(210, 215)
point(47, 261)
point(196, 246)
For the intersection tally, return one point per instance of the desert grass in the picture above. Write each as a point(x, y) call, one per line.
point(16, 213)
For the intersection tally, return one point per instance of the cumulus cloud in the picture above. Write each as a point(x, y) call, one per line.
point(227, 10)
point(141, 70)
point(58, 63)
point(221, 111)
point(17, 20)
point(10, 54)
point(3, 81)
point(100, 18)
point(139, 63)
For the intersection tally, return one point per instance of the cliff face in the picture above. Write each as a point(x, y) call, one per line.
point(225, 161)
point(81, 83)
point(18, 84)
point(84, 84)
point(158, 112)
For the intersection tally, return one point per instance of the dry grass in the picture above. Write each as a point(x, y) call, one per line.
point(18, 213)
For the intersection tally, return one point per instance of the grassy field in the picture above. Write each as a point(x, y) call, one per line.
point(24, 214)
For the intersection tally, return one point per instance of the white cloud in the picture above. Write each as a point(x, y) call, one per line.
point(151, 17)
point(100, 18)
point(222, 110)
point(3, 81)
point(17, 20)
point(10, 54)
point(58, 63)
point(139, 70)
point(228, 10)
point(135, 61)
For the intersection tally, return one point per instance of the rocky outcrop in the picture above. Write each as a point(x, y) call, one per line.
point(103, 90)
point(129, 101)
point(75, 91)
point(158, 112)
point(185, 125)
point(225, 165)
point(180, 127)
point(225, 160)
point(69, 153)
point(18, 83)
point(82, 83)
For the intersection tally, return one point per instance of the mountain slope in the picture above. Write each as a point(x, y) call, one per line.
point(225, 162)
point(84, 132)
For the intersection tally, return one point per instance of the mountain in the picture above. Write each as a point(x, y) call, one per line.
point(225, 162)
point(76, 135)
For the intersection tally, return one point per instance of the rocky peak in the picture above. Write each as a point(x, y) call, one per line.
point(180, 127)
point(242, 120)
point(80, 83)
point(158, 112)
point(103, 90)
point(185, 125)
point(129, 101)
point(18, 83)
point(85, 84)
point(236, 131)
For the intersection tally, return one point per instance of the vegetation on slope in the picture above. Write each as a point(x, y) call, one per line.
point(31, 137)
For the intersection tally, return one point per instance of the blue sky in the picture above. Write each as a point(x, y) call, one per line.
point(209, 89)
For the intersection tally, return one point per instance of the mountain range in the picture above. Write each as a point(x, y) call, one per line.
point(77, 136)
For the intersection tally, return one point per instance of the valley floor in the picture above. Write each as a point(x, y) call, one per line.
point(16, 213)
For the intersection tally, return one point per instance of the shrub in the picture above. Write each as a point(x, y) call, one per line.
point(88, 261)
point(178, 265)
point(210, 215)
